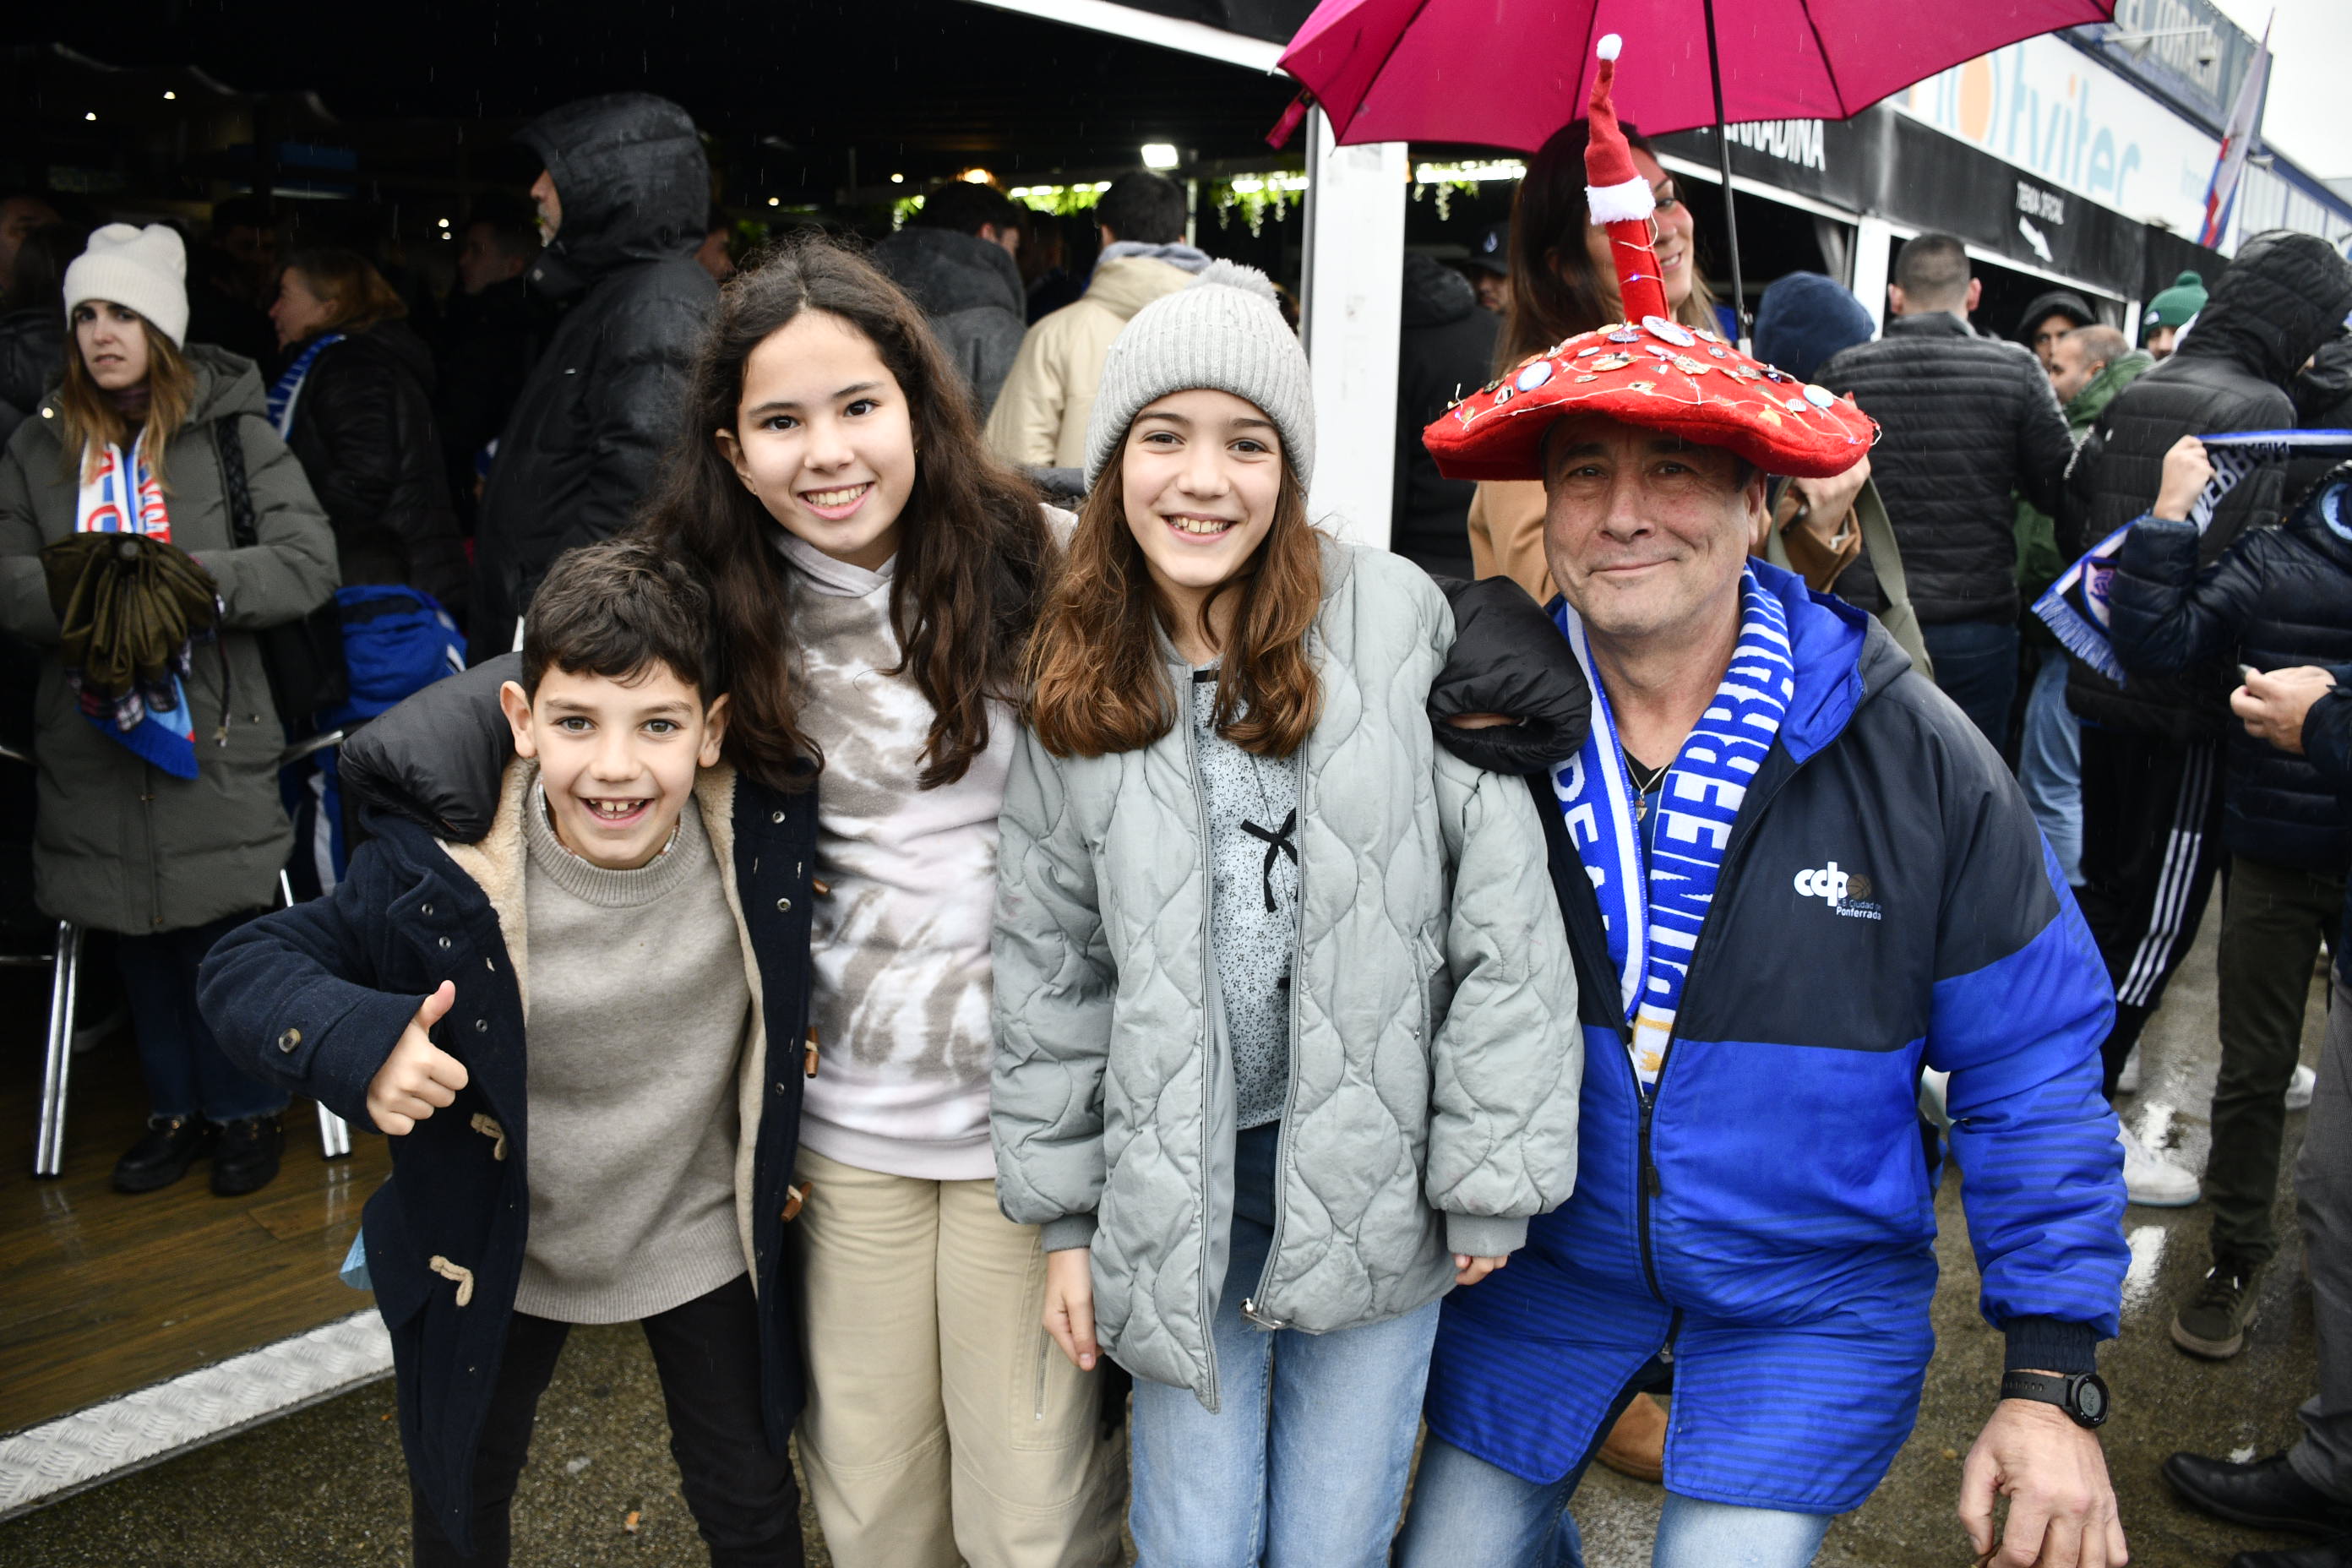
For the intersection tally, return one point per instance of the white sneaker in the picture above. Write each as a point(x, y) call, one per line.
point(2299, 1087)
point(2128, 1080)
point(2153, 1181)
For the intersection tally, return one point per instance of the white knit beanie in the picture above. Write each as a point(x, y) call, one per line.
point(1223, 332)
point(142, 269)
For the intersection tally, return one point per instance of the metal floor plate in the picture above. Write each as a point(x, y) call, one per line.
point(45, 1463)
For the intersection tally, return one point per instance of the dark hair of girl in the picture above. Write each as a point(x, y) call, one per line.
point(1098, 682)
point(973, 554)
point(1556, 290)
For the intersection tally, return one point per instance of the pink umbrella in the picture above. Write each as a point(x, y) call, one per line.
point(1508, 73)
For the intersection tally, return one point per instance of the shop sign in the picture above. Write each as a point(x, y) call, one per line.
point(2070, 123)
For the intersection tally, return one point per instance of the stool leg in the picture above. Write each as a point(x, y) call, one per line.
point(334, 1135)
point(65, 975)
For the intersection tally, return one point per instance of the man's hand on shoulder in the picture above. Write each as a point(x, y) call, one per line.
point(2062, 1506)
point(419, 1078)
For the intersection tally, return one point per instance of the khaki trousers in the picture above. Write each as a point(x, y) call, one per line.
point(943, 1425)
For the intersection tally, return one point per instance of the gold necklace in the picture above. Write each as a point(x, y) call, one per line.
point(1642, 787)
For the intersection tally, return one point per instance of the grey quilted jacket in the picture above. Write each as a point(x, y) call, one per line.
point(1435, 1059)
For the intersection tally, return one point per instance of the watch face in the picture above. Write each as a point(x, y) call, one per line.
point(2091, 1400)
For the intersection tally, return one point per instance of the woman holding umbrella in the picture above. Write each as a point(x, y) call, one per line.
point(159, 815)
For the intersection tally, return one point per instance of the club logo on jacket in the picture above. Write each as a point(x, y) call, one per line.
point(1847, 893)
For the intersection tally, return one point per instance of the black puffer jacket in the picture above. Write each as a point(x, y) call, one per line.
point(32, 357)
point(2323, 401)
point(489, 342)
point(363, 430)
point(2277, 598)
point(1443, 353)
point(969, 289)
point(2283, 296)
point(1969, 422)
point(588, 429)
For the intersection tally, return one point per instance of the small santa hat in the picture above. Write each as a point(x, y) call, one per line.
point(1617, 195)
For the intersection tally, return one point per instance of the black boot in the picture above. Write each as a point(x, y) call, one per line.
point(246, 1160)
point(162, 1155)
point(2266, 1494)
point(2336, 1553)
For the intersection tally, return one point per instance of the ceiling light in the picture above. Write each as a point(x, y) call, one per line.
point(898, 178)
point(168, 97)
point(775, 201)
point(977, 177)
point(91, 115)
point(1160, 155)
point(444, 222)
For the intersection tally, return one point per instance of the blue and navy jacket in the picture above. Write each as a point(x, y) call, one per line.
point(314, 997)
point(1886, 904)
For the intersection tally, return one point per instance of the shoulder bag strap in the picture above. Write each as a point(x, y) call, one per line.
point(243, 532)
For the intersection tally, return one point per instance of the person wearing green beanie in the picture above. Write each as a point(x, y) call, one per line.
point(2172, 309)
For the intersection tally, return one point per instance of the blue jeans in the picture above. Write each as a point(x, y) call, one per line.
point(1976, 666)
point(185, 1072)
point(1305, 1462)
point(2050, 765)
point(1467, 1510)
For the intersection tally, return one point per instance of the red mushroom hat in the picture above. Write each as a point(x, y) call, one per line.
point(1649, 370)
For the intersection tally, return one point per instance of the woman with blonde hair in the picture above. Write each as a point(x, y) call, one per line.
point(159, 815)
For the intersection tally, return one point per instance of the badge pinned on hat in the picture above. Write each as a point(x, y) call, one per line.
point(1645, 370)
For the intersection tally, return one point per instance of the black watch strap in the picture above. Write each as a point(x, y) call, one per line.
point(2083, 1397)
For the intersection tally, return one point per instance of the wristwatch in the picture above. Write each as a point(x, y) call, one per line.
point(2083, 1397)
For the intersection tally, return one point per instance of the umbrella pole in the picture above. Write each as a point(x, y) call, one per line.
point(1723, 162)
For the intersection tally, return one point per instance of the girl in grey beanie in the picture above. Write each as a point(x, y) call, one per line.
point(1252, 1193)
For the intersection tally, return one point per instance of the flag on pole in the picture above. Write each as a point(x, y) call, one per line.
point(2237, 142)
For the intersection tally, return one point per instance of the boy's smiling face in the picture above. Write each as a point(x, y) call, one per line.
point(617, 758)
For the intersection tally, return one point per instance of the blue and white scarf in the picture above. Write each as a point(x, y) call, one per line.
point(2075, 607)
point(288, 387)
point(1650, 935)
point(120, 495)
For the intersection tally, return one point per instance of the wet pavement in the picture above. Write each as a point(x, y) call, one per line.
point(324, 1486)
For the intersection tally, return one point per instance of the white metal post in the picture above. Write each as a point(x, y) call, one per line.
point(1872, 239)
point(1352, 299)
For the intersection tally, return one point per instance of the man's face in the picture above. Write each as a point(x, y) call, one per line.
point(19, 216)
point(1645, 534)
point(1493, 291)
point(2044, 339)
point(2159, 342)
point(549, 205)
point(481, 263)
point(2071, 369)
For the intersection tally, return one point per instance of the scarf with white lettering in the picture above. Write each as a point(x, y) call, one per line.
point(2075, 607)
point(120, 495)
point(1652, 913)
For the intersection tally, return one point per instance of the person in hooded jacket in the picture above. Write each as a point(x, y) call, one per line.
point(959, 261)
point(621, 204)
point(491, 331)
point(2279, 598)
point(2323, 401)
point(354, 402)
point(2151, 750)
point(163, 824)
point(1443, 348)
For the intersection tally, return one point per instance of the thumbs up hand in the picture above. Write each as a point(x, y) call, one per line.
point(419, 1078)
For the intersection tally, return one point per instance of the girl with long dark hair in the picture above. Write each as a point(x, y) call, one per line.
point(877, 573)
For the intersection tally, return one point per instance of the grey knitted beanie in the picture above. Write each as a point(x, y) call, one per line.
point(1223, 332)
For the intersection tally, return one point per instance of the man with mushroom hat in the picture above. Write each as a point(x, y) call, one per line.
point(1794, 876)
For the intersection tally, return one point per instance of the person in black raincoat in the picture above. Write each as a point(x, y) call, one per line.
point(621, 202)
